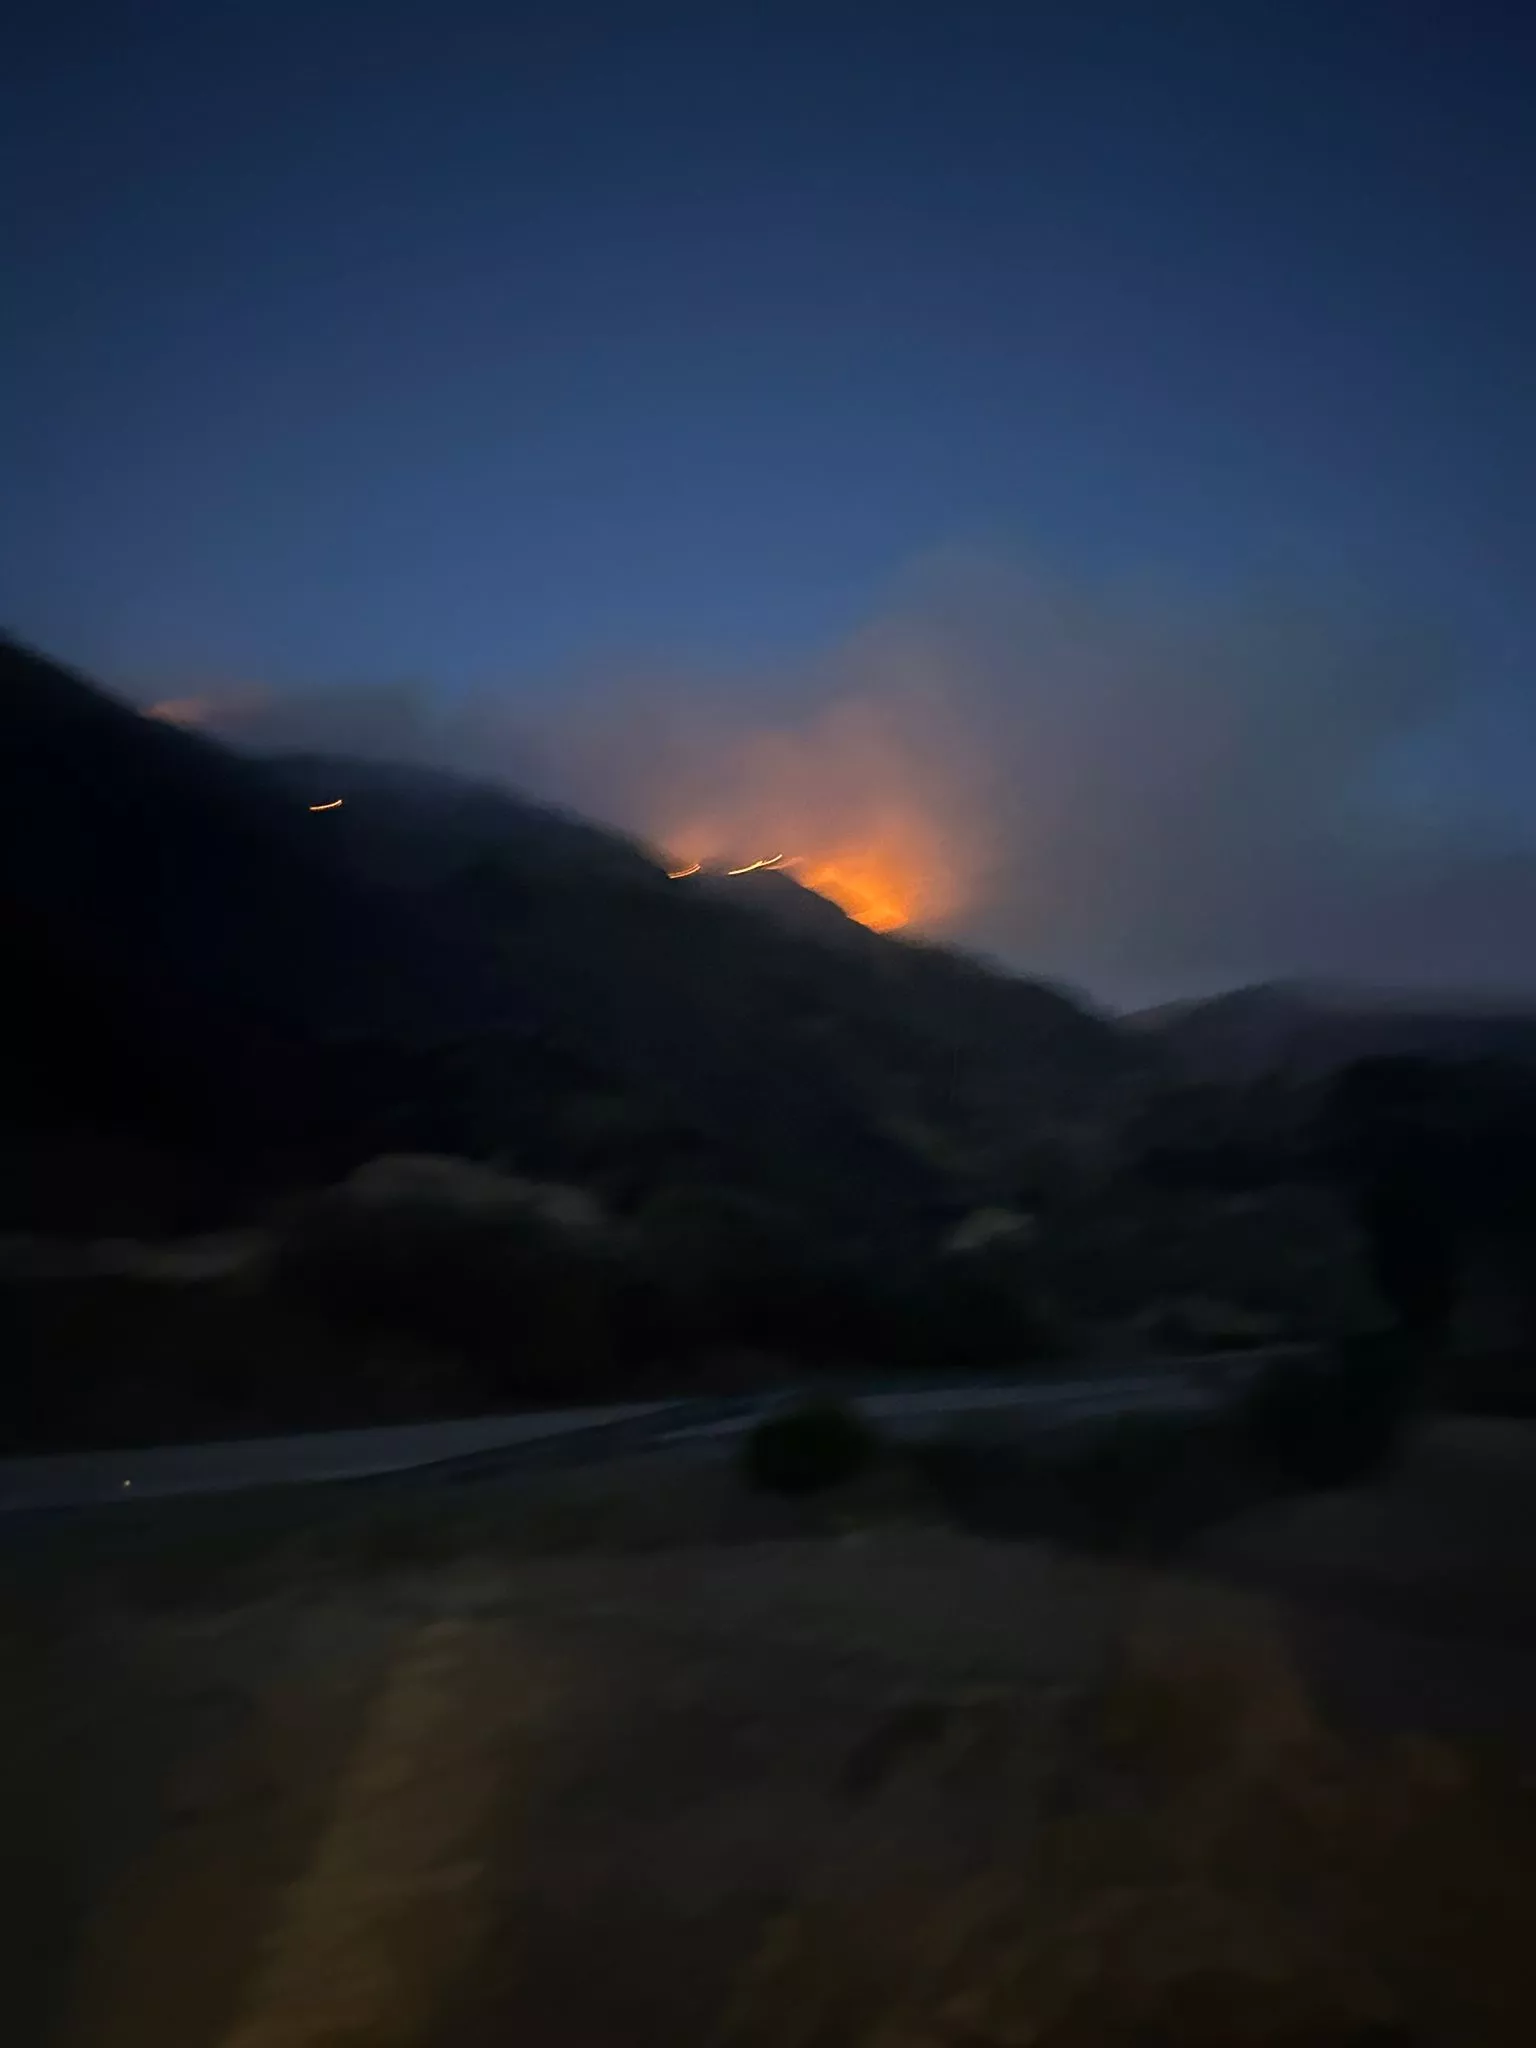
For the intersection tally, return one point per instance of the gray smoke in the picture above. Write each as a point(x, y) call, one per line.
point(1143, 793)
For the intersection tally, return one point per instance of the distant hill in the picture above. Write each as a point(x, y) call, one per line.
point(195, 976)
point(1309, 1029)
point(774, 893)
point(742, 1012)
point(225, 992)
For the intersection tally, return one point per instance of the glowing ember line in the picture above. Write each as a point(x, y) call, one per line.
point(680, 874)
point(866, 889)
point(182, 711)
point(753, 865)
point(335, 804)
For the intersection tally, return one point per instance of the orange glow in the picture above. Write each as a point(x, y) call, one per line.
point(191, 711)
point(212, 712)
point(868, 886)
point(871, 884)
point(881, 800)
point(335, 804)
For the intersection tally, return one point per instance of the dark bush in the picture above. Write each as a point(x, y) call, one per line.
point(535, 1309)
point(1141, 1482)
point(1333, 1422)
point(807, 1449)
point(1124, 1472)
point(975, 1312)
point(1494, 1382)
point(720, 1261)
point(125, 1359)
point(730, 1269)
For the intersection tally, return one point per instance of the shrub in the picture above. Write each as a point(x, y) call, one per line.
point(1150, 1481)
point(718, 1259)
point(1140, 1482)
point(807, 1449)
point(1500, 1382)
point(1199, 1324)
point(533, 1304)
point(971, 1312)
point(1333, 1422)
point(123, 1358)
point(727, 1268)
point(1123, 1474)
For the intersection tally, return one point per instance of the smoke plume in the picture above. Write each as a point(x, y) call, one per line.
point(1145, 794)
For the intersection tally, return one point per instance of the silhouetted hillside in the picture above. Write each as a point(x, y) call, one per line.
point(223, 993)
point(1308, 1030)
point(198, 978)
point(747, 1022)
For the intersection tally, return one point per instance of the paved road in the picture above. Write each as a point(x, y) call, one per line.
point(84, 1478)
point(494, 1442)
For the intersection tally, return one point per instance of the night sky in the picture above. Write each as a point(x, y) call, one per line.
point(1112, 423)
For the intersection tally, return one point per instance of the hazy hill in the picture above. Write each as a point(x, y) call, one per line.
point(240, 994)
point(1307, 1029)
point(196, 979)
point(744, 1011)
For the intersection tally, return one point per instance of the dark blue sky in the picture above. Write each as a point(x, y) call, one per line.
point(467, 341)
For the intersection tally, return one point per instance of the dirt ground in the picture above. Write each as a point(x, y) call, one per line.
point(623, 1760)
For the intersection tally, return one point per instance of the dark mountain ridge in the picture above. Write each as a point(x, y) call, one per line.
point(253, 994)
point(1307, 1030)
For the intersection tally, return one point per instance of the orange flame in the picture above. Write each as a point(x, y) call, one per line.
point(879, 802)
point(212, 712)
point(867, 886)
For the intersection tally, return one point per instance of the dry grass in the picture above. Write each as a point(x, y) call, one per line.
point(637, 1759)
point(1212, 1868)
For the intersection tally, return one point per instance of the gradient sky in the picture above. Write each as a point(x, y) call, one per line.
point(474, 343)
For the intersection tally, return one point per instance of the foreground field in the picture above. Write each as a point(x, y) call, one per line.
point(624, 1757)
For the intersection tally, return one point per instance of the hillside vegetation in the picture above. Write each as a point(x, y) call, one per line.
point(796, 1143)
point(228, 1004)
point(250, 997)
point(1307, 1030)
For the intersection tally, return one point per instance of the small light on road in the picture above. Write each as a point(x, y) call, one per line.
point(127, 1482)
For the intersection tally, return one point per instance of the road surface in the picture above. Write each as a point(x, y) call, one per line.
point(73, 1479)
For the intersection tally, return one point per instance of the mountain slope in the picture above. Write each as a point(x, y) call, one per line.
point(746, 1002)
point(196, 970)
point(1308, 1030)
point(214, 973)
